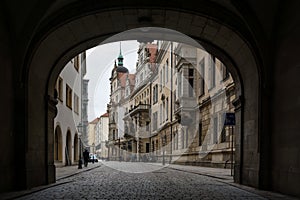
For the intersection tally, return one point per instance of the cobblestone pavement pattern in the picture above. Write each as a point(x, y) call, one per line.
point(105, 182)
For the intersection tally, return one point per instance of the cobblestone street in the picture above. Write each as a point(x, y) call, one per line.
point(151, 181)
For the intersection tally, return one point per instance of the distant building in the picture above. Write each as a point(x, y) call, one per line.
point(92, 135)
point(138, 115)
point(101, 136)
point(121, 86)
point(123, 142)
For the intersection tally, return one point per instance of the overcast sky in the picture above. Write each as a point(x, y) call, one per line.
point(100, 62)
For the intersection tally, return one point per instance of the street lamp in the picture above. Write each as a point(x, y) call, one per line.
point(79, 128)
point(119, 149)
point(163, 148)
point(93, 152)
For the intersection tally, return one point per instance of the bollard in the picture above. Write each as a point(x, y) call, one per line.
point(80, 164)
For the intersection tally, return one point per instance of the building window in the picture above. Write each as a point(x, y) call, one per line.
point(182, 138)
point(191, 82)
point(212, 72)
point(152, 146)
point(154, 121)
point(76, 63)
point(200, 134)
point(215, 131)
point(202, 76)
point(164, 111)
point(76, 104)
point(223, 133)
point(59, 88)
point(160, 80)
point(225, 72)
point(163, 75)
point(167, 108)
point(167, 71)
point(69, 96)
point(160, 114)
point(180, 84)
point(147, 126)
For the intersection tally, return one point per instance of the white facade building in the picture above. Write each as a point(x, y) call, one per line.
point(101, 136)
point(92, 135)
point(69, 90)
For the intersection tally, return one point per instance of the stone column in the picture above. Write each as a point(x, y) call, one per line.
point(51, 113)
point(138, 139)
point(238, 135)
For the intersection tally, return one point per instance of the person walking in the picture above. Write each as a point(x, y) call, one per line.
point(86, 155)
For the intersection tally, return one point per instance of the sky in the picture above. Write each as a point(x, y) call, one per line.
point(100, 62)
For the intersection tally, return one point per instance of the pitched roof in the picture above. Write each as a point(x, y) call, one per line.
point(131, 78)
point(152, 48)
point(122, 78)
point(104, 115)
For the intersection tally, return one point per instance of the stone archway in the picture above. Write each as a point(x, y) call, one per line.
point(68, 148)
point(58, 144)
point(233, 45)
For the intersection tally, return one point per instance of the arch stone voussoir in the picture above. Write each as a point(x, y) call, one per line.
point(210, 30)
point(233, 45)
point(223, 36)
point(171, 19)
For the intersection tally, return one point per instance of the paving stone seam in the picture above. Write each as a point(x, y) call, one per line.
point(67, 176)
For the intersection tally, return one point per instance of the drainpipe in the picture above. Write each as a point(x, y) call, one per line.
point(171, 100)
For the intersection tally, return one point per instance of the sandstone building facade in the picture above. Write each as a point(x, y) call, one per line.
point(175, 110)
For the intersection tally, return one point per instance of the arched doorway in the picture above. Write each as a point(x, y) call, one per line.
point(58, 144)
point(76, 148)
point(68, 149)
point(230, 42)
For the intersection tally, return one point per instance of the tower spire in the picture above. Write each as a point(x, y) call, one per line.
point(120, 58)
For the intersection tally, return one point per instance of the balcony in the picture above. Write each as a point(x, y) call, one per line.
point(184, 113)
point(142, 111)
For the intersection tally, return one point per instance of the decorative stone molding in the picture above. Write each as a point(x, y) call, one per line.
point(52, 112)
point(52, 102)
point(238, 103)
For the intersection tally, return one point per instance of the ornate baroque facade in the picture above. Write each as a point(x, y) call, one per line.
point(173, 108)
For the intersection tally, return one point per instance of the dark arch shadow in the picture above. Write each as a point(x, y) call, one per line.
point(227, 43)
